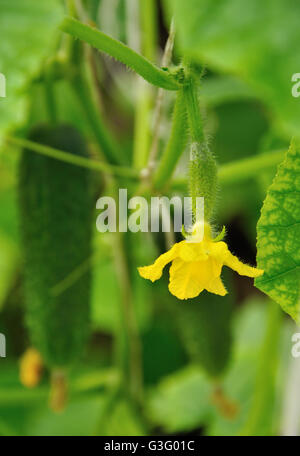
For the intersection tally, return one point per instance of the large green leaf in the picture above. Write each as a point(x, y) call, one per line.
point(257, 40)
point(27, 30)
point(182, 401)
point(278, 241)
point(247, 372)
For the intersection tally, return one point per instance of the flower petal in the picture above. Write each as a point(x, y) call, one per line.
point(192, 251)
point(154, 271)
point(218, 251)
point(187, 279)
point(216, 286)
point(243, 269)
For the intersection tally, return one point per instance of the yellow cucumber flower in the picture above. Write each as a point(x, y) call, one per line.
point(197, 264)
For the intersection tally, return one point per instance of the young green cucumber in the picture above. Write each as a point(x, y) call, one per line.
point(55, 222)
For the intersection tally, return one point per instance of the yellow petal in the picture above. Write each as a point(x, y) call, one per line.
point(243, 269)
point(219, 251)
point(154, 271)
point(192, 251)
point(216, 286)
point(188, 279)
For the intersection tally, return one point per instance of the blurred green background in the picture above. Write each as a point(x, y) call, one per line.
point(211, 365)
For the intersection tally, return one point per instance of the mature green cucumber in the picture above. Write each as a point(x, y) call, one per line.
point(55, 222)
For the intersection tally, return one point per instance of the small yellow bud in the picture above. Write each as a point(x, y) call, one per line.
point(31, 368)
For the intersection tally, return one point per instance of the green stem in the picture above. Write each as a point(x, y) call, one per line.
point(241, 170)
point(141, 139)
point(103, 137)
point(166, 60)
point(193, 109)
point(73, 159)
point(130, 349)
point(148, 10)
point(83, 89)
point(249, 167)
point(120, 52)
point(71, 8)
point(176, 144)
point(259, 422)
point(142, 130)
point(107, 410)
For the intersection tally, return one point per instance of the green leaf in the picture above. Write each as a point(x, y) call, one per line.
point(278, 236)
point(27, 35)
point(258, 42)
point(182, 401)
point(240, 383)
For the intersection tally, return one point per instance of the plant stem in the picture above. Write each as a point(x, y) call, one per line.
point(129, 337)
point(148, 10)
point(87, 93)
point(70, 5)
point(142, 130)
point(259, 422)
point(141, 137)
point(193, 109)
point(166, 60)
point(107, 410)
point(104, 139)
point(121, 52)
point(248, 167)
point(73, 159)
point(290, 420)
point(176, 144)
